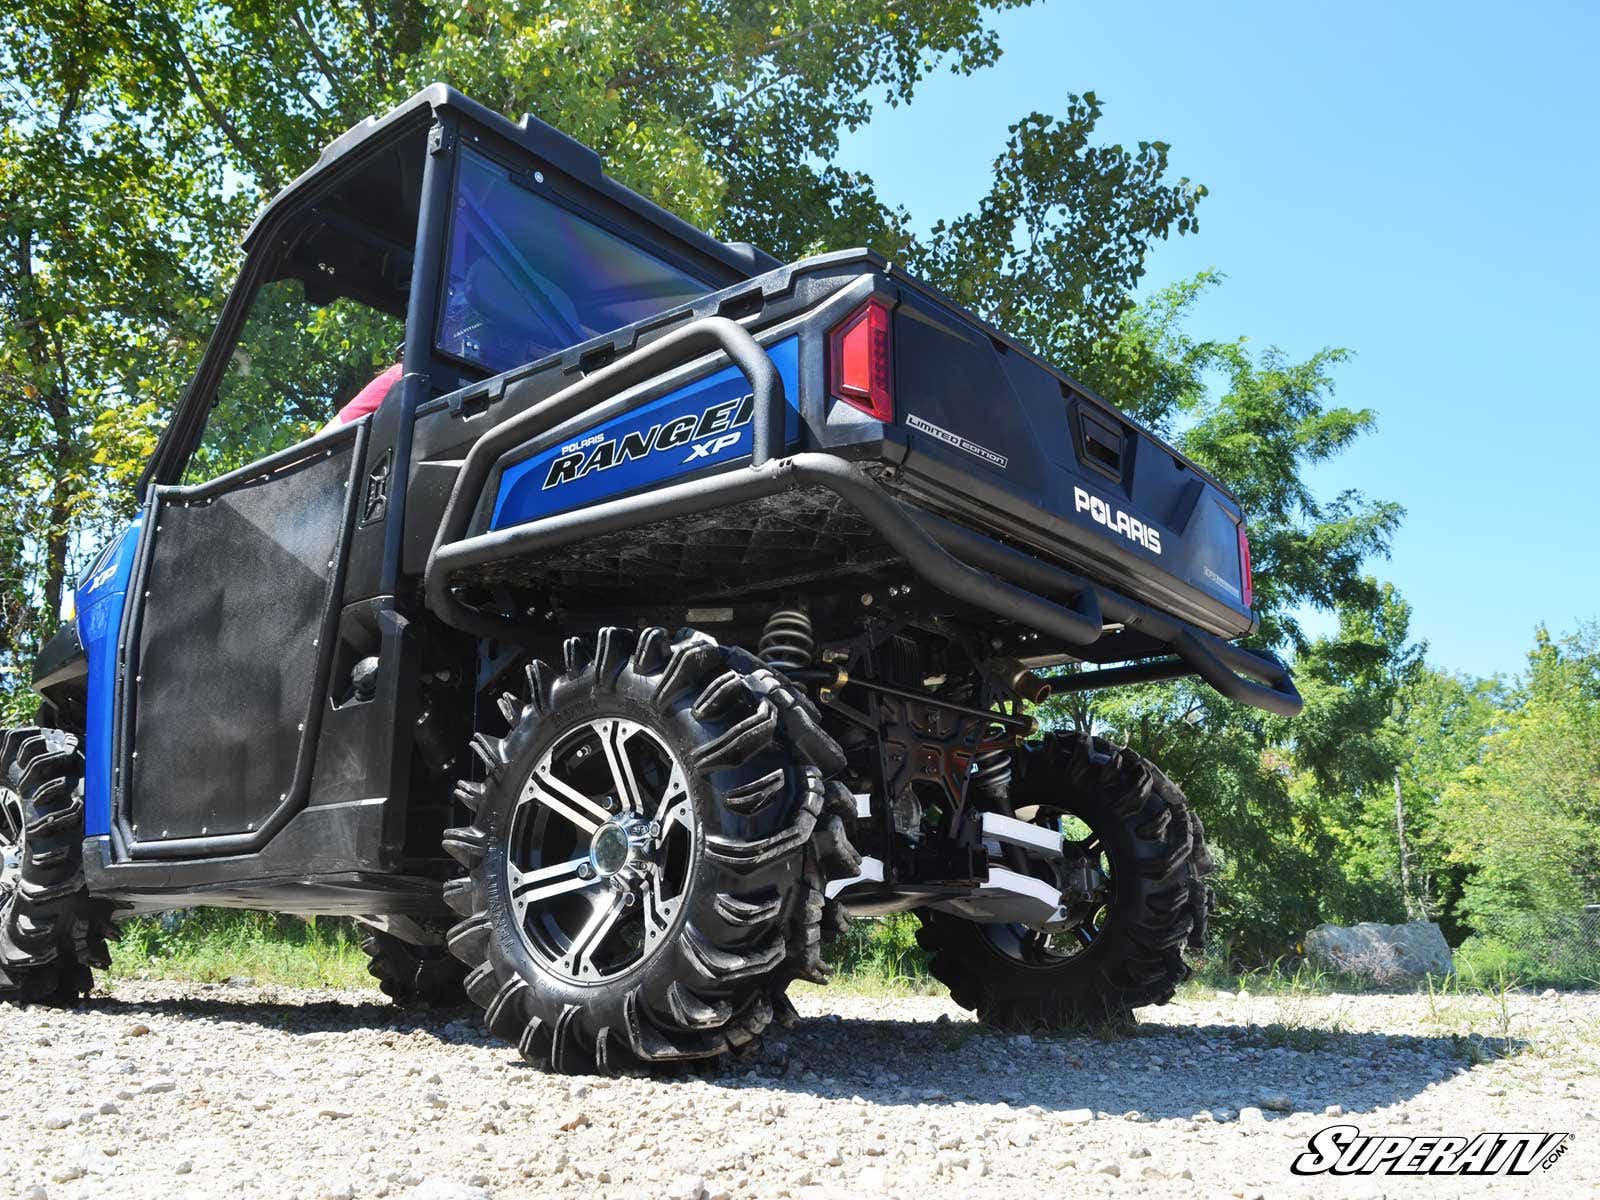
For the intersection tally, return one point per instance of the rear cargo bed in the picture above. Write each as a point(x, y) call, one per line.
point(709, 455)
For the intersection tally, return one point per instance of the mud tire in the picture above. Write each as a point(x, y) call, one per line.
point(755, 758)
point(412, 975)
point(1160, 900)
point(52, 934)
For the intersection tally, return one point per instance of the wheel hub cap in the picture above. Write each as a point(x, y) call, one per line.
point(617, 844)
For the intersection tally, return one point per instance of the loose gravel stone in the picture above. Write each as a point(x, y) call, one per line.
point(284, 1094)
point(688, 1187)
point(446, 1189)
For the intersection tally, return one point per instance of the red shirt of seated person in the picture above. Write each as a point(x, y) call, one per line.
point(368, 398)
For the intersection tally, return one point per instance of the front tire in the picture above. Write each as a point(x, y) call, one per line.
point(1127, 951)
point(51, 933)
point(638, 863)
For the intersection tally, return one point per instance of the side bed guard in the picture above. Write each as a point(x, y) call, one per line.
point(964, 565)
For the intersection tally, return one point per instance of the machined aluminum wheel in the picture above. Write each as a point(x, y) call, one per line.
point(602, 840)
point(647, 853)
point(1085, 870)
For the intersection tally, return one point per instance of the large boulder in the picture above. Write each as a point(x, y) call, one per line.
point(1386, 954)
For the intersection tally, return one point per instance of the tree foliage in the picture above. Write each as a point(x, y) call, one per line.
point(1525, 816)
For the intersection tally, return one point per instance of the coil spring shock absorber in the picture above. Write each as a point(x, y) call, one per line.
point(787, 641)
point(992, 773)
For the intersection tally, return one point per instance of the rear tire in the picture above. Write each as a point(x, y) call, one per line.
point(409, 974)
point(1159, 899)
point(51, 933)
point(650, 904)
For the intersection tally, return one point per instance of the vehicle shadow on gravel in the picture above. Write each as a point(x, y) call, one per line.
point(1160, 1071)
point(291, 1016)
point(1157, 1070)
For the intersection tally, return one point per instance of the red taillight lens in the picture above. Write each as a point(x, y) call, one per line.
point(858, 361)
point(1246, 580)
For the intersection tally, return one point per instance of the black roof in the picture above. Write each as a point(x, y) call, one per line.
point(540, 139)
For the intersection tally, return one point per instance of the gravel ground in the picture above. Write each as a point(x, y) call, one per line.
point(206, 1090)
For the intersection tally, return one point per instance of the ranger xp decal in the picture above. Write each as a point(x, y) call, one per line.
point(1117, 521)
point(707, 423)
point(714, 429)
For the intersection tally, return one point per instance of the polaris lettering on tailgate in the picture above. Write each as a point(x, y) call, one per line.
point(707, 423)
point(1117, 521)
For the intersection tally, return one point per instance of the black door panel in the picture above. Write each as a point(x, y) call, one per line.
point(230, 654)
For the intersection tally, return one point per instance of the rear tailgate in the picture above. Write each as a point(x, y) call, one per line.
point(1000, 441)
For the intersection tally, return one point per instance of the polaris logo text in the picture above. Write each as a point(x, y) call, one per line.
point(1345, 1150)
point(706, 434)
point(1117, 521)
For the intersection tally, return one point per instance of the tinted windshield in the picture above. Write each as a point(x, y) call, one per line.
point(529, 277)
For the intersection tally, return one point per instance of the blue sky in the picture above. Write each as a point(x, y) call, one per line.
point(1416, 182)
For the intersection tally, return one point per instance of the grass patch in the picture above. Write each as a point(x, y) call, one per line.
point(880, 956)
point(1484, 965)
point(1484, 960)
point(213, 945)
point(1215, 971)
point(876, 957)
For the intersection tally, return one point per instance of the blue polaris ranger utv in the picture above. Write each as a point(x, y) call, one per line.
point(672, 605)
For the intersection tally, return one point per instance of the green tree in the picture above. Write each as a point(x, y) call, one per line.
point(1441, 721)
point(1525, 818)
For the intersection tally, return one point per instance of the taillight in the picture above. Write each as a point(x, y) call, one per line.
point(858, 361)
point(1246, 580)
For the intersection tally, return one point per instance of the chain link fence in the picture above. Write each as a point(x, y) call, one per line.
point(1559, 946)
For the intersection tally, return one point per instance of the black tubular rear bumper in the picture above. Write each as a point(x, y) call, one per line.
point(958, 562)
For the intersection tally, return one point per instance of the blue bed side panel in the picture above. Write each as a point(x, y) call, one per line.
point(101, 602)
point(707, 423)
